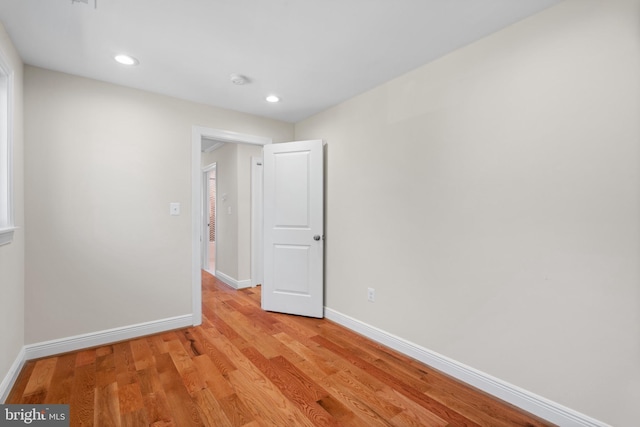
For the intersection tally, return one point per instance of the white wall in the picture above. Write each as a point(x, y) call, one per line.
point(103, 163)
point(492, 199)
point(245, 152)
point(12, 255)
point(225, 158)
point(233, 164)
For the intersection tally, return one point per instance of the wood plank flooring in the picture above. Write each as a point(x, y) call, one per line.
point(247, 367)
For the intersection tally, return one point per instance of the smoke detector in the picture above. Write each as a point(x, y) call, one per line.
point(237, 79)
point(95, 2)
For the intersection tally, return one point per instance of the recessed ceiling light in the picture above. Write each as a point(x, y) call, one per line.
point(272, 98)
point(126, 60)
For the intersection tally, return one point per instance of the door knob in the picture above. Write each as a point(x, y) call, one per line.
point(316, 237)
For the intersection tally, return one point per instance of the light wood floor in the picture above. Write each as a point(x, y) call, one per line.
point(246, 367)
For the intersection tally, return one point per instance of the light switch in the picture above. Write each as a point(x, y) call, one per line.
point(174, 208)
point(229, 210)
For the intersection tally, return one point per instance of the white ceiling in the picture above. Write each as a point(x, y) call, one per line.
point(311, 53)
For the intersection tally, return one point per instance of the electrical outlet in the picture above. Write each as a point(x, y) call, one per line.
point(371, 294)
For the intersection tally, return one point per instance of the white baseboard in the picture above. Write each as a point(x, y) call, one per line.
point(521, 398)
point(236, 284)
point(77, 342)
point(12, 375)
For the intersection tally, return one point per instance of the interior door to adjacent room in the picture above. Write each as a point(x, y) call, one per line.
point(294, 228)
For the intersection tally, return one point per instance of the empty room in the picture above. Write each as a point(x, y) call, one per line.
point(424, 212)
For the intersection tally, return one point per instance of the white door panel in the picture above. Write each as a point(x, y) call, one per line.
point(293, 228)
point(292, 212)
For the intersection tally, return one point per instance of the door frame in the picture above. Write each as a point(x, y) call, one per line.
point(257, 232)
point(198, 133)
point(206, 220)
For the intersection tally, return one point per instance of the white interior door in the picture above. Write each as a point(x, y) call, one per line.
point(293, 228)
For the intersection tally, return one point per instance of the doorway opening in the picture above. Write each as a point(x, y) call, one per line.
point(209, 211)
point(212, 221)
point(201, 138)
